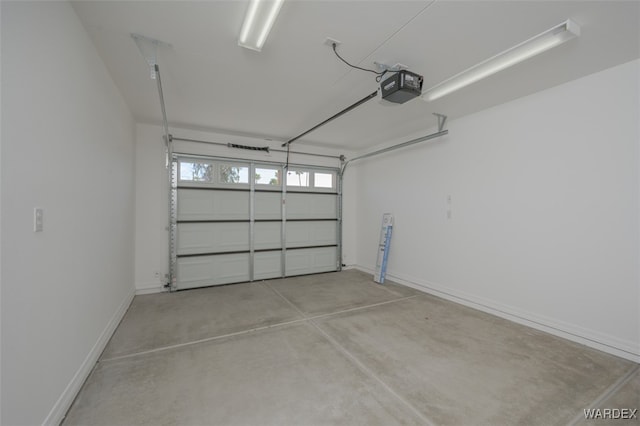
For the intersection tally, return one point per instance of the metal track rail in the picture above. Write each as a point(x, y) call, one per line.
point(333, 117)
point(172, 180)
point(337, 157)
point(398, 146)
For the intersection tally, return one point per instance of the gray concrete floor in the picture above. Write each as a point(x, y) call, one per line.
point(338, 349)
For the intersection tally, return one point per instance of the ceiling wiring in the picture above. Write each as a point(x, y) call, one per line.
point(378, 74)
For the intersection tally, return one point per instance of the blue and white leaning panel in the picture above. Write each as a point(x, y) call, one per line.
point(383, 248)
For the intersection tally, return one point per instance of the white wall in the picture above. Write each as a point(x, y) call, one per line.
point(67, 147)
point(0, 223)
point(544, 200)
point(152, 209)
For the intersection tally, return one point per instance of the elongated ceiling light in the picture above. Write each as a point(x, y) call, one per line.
point(258, 21)
point(525, 50)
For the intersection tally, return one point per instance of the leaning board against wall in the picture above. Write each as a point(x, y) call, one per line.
point(239, 221)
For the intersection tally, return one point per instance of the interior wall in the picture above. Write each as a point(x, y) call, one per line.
point(0, 221)
point(543, 195)
point(152, 189)
point(68, 148)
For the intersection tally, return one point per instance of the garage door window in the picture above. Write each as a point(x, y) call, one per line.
point(267, 176)
point(231, 173)
point(196, 171)
point(298, 178)
point(310, 180)
point(323, 180)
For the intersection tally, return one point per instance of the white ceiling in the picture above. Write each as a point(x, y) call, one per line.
point(210, 83)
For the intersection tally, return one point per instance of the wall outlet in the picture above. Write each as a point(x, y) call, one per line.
point(331, 41)
point(38, 219)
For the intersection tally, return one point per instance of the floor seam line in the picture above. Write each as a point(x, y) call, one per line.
point(205, 340)
point(608, 393)
point(251, 330)
point(352, 357)
point(359, 308)
point(360, 365)
point(286, 300)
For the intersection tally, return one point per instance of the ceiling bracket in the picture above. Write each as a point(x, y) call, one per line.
point(149, 50)
point(380, 66)
point(442, 119)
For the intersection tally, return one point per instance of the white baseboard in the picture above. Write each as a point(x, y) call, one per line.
point(149, 288)
point(605, 343)
point(59, 410)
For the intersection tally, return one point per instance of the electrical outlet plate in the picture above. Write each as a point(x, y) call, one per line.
point(38, 215)
point(330, 41)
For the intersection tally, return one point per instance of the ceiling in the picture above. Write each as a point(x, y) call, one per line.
point(212, 84)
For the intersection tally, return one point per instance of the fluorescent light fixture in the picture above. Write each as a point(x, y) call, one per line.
point(258, 21)
point(525, 50)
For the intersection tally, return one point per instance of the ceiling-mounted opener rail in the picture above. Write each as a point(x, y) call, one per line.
point(333, 117)
point(401, 87)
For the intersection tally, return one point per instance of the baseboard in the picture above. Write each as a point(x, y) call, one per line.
point(593, 339)
point(59, 410)
point(149, 288)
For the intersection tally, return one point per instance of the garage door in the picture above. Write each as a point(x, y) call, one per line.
point(236, 221)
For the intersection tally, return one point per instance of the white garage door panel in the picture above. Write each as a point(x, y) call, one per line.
point(311, 206)
point(311, 261)
point(267, 265)
point(194, 238)
point(202, 204)
point(268, 205)
point(267, 235)
point(304, 234)
point(200, 271)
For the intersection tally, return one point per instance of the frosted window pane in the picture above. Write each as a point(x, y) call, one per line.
point(323, 180)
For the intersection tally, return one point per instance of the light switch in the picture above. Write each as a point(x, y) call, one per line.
point(38, 219)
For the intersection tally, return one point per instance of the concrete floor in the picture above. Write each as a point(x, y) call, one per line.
point(338, 349)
